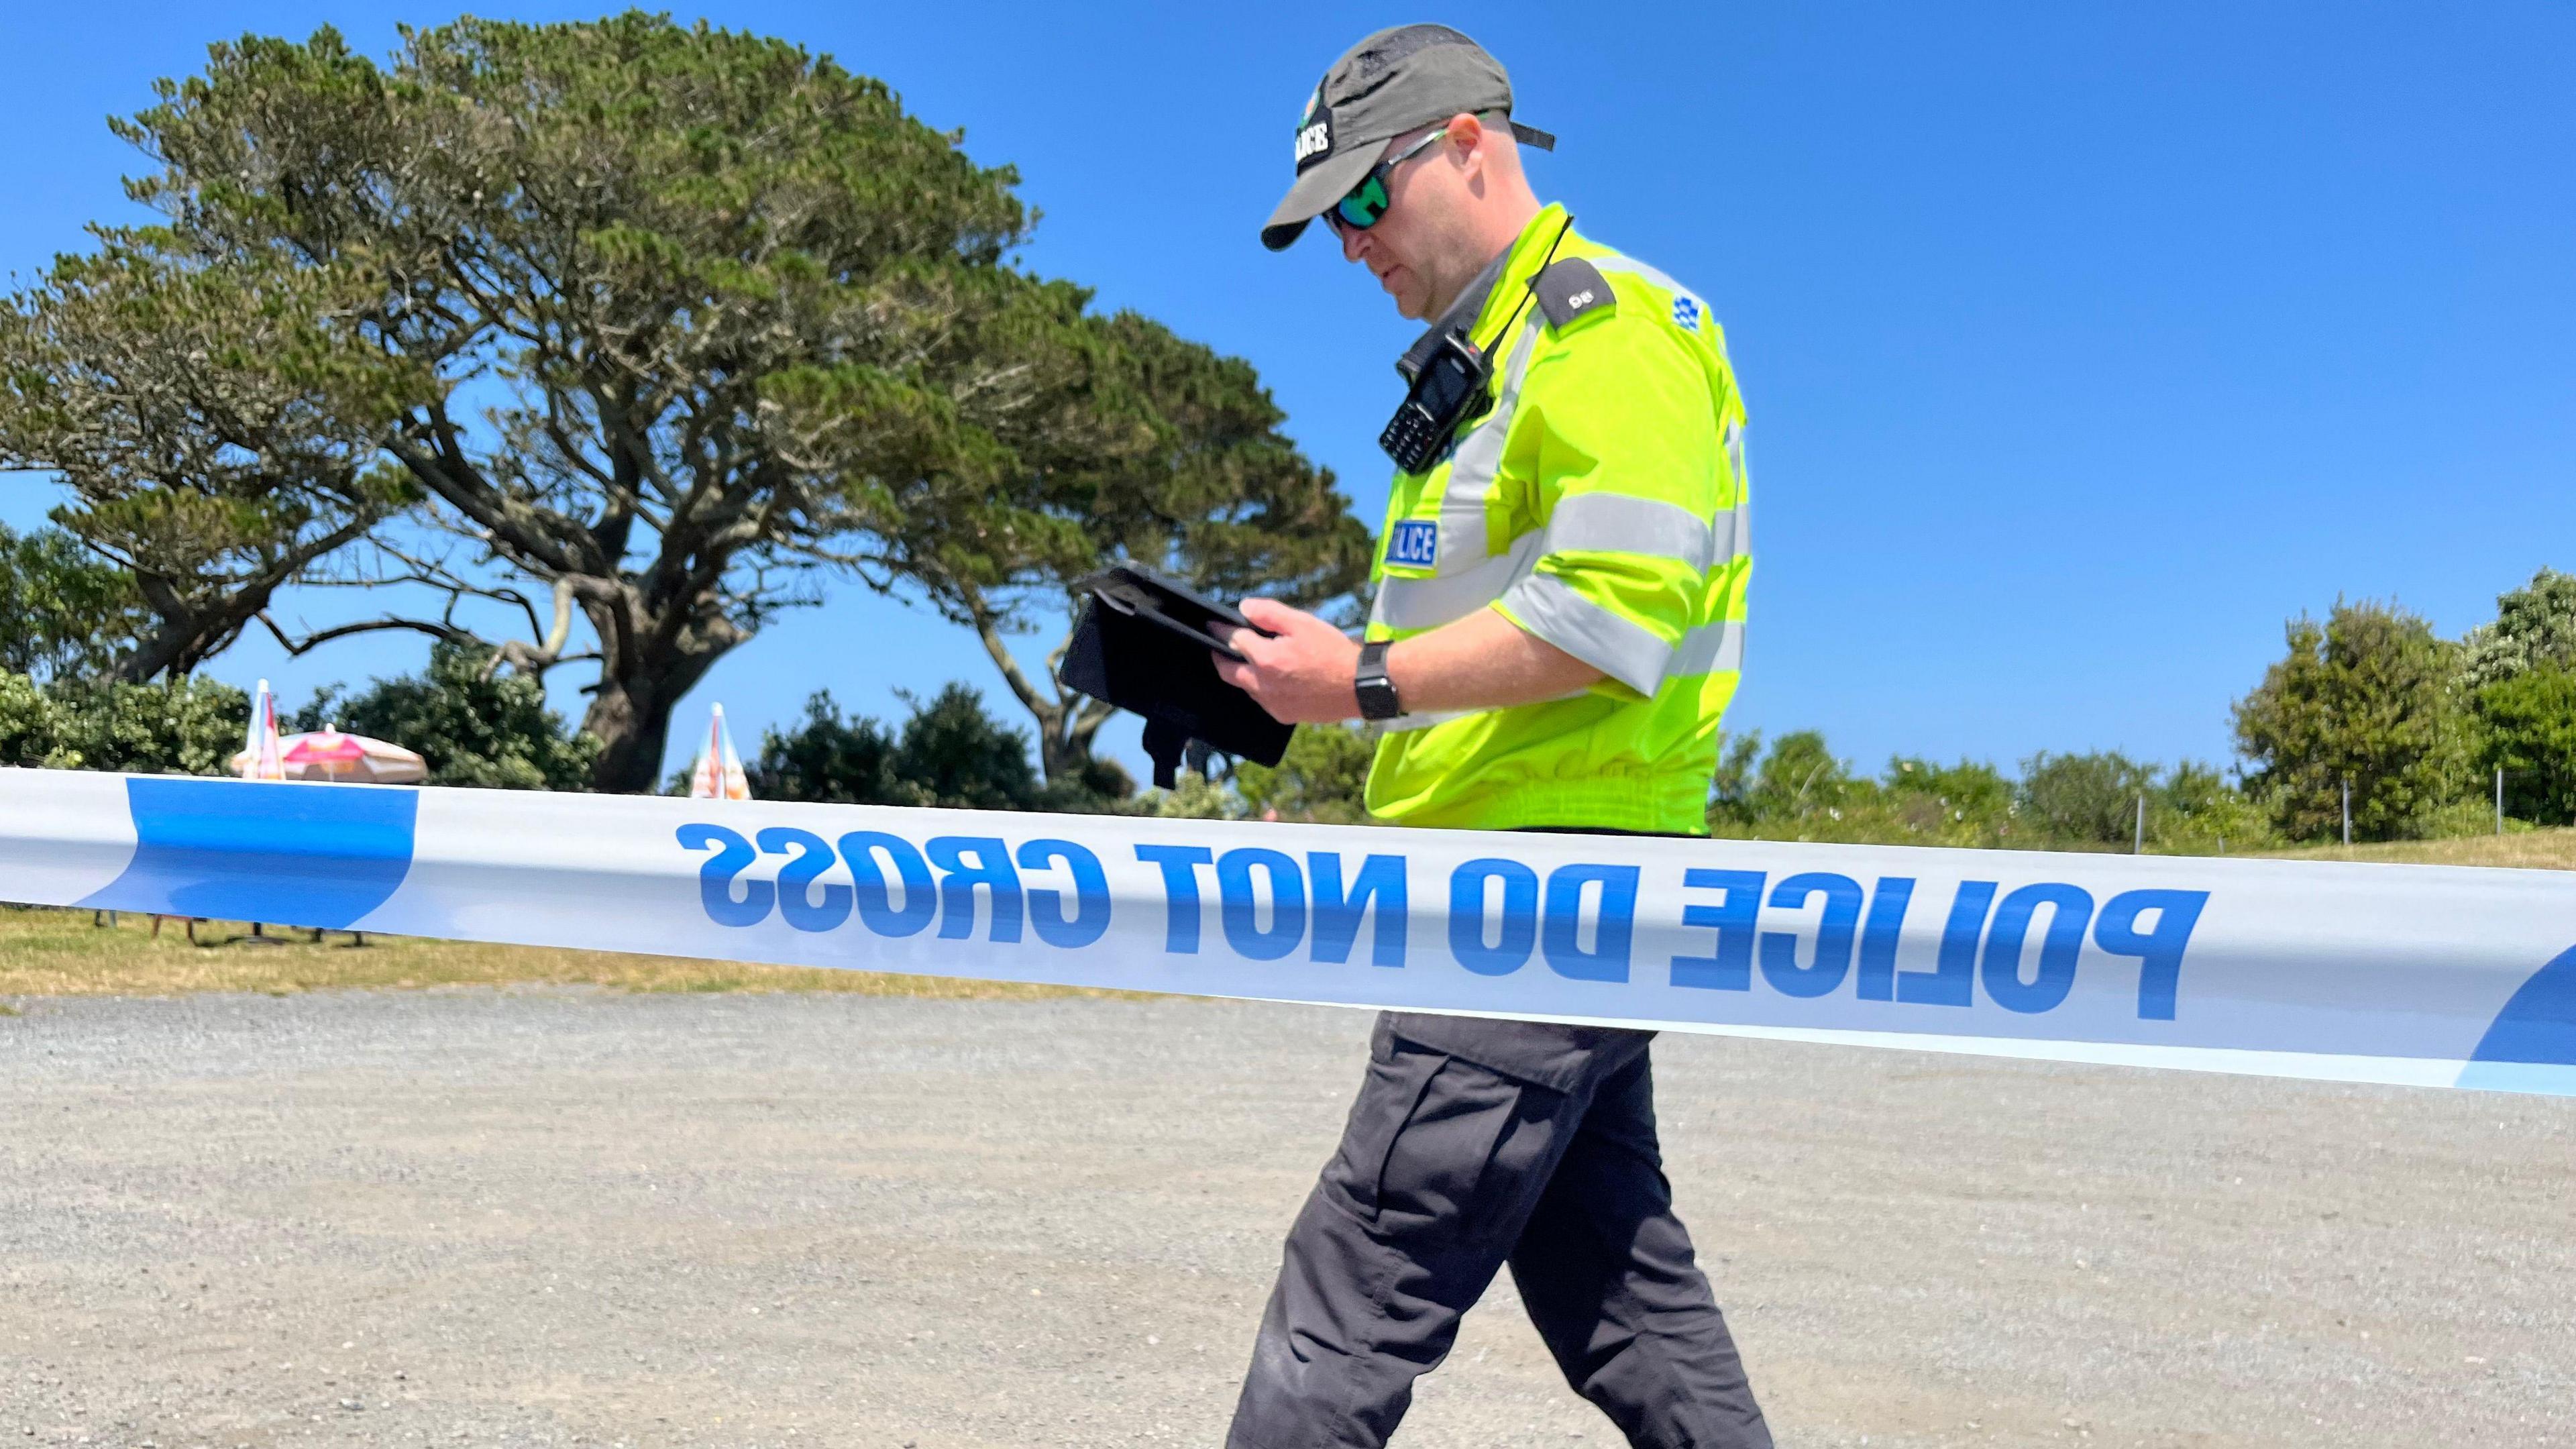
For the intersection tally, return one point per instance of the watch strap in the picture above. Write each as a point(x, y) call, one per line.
point(1377, 697)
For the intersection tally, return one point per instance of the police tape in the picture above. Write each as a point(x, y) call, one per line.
point(2414, 975)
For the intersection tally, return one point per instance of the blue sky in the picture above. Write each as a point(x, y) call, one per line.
point(2083, 344)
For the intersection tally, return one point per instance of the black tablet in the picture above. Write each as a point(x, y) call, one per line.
point(1147, 644)
point(1141, 593)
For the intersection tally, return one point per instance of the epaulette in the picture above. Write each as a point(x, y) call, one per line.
point(1572, 289)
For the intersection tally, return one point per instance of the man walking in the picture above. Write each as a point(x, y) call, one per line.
point(1557, 629)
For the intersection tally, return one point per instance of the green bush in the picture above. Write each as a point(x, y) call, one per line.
point(2195, 811)
point(2090, 799)
point(1801, 791)
point(950, 753)
point(2527, 727)
point(471, 725)
point(188, 727)
point(1323, 777)
point(2367, 699)
point(1922, 803)
point(65, 613)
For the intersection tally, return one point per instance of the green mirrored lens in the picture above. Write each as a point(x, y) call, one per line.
point(1364, 205)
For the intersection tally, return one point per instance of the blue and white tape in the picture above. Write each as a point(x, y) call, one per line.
point(2418, 975)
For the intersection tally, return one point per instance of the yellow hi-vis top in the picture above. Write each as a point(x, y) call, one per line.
point(1598, 505)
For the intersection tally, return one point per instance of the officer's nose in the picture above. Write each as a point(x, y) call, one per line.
point(1353, 239)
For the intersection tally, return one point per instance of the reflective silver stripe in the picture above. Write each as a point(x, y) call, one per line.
point(1408, 604)
point(1621, 262)
point(1622, 523)
point(1427, 721)
point(1710, 649)
point(1463, 544)
point(1729, 535)
point(1404, 722)
point(1623, 649)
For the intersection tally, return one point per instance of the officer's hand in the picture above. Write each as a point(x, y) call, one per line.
point(1306, 674)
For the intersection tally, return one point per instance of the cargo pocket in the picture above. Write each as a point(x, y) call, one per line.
point(1433, 1175)
point(1397, 1077)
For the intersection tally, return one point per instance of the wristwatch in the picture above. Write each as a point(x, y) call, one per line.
point(1376, 691)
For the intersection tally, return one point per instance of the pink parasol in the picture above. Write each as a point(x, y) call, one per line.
point(328, 754)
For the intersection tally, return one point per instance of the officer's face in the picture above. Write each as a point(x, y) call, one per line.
point(1410, 248)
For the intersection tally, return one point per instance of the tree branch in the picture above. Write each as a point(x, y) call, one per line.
point(310, 642)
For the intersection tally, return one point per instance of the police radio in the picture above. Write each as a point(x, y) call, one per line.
point(1447, 389)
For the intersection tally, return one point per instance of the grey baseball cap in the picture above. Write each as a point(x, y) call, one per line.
point(1388, 84)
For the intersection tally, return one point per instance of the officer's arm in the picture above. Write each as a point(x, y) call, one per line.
point(1306, 672)
point(1483, 661)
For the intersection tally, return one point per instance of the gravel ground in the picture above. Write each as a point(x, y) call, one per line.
point(564, 1217)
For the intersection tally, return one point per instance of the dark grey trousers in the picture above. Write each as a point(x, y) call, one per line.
point(1475, 1143)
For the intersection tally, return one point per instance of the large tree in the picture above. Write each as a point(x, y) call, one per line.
point(666, 318)
point(674, 323)
point(2368, 699)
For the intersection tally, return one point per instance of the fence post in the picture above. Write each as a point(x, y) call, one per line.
point(2140, 847)
point(2347, 813)
point(2499, 799)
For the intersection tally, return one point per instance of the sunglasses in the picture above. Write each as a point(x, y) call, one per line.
point(1363, 205)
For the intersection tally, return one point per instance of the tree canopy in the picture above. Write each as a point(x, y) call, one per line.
point(1322, 778)
point(65, 613)
point(2534, 627)
point(1164, 453)
point(213, 427)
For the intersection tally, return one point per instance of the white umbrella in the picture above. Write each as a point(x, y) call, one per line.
point(718, 775)
point(258, 759)
point(327, 754)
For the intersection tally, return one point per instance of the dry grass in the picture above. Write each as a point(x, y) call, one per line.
point(60, 953)
point(2527, 849)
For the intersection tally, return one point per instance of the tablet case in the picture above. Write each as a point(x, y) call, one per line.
point(1143, 644)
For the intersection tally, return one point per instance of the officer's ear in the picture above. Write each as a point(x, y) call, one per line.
point(1466, 135)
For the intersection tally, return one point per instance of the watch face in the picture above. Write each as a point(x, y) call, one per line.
point(1377, 698)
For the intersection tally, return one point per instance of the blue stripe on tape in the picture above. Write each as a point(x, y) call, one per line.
point(2538, 1024)
point(297, 855)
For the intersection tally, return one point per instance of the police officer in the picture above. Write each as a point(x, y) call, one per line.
point(1557, 628)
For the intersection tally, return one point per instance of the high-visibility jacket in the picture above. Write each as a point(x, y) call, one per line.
point(1599, 504)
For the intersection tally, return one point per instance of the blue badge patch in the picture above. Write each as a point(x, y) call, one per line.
point(1414, 543)
point(1686, 313)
